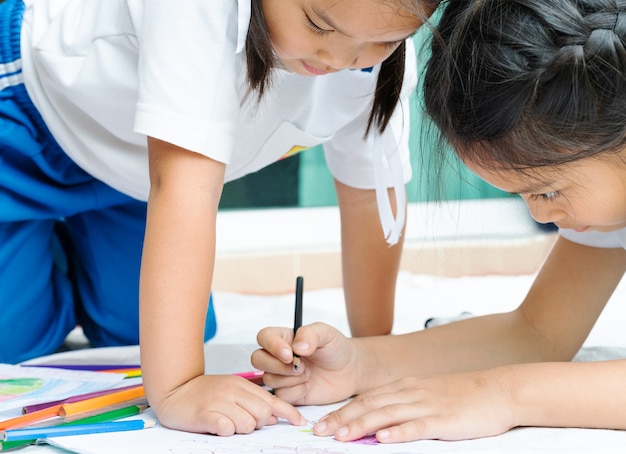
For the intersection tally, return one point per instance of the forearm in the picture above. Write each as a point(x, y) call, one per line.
point(590, 395)
point(370, 266)
point(472, 344)
point(551, 324)
point(177, 266)
point(172, 306)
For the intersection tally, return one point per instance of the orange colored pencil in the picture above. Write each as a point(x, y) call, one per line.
point(101, 401)
point(29, 418)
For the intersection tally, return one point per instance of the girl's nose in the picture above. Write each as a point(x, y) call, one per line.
point(337, 59)
point(545, 212)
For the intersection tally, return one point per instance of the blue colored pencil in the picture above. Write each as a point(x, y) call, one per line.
point(80, 429)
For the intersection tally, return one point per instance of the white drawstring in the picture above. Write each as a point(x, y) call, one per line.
point(245, 11)
point(384, 151)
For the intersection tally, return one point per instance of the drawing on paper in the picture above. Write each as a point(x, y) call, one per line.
point(10, 388)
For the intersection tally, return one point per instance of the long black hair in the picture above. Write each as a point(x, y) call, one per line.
point(518, 84)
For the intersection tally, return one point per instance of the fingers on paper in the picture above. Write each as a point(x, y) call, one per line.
point(248, 414)
point(285, 410)
point(269, 408)
point(350, 421)
point(392, 420)
point(224, 419)
point(220, 424)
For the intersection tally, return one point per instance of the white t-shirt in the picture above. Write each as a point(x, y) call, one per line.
point(107, 73)
point(615, 239)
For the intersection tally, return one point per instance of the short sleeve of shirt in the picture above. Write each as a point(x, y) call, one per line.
point(187, 75)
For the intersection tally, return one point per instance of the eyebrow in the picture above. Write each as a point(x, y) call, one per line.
point(328, 21)
point(538, 188)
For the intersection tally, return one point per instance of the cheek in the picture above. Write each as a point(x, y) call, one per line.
point(281, 39)
point(374, 56)
point(286, 45)
point(607, 207)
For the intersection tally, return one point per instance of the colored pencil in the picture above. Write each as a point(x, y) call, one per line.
point(112, 415)
point(297, 320)
point(77, 398)
point(88, 367)
point(58, 420)
point(130, 372)
point(29, 418)
point(79, 429)
point(72, 408)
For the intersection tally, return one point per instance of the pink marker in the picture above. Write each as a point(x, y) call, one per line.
point(255, 376)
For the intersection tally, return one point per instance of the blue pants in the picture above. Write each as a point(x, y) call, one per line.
point(70, 245)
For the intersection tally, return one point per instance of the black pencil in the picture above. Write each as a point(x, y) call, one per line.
point(297, 320)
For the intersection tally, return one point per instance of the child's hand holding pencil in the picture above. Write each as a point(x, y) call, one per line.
point(327, 372)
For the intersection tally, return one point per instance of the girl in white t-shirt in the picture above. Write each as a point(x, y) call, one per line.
point(107, 104)
point(532, 97)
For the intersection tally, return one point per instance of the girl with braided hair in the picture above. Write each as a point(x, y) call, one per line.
point(531, 94)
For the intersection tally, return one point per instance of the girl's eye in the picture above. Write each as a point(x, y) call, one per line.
point(314, 27)
point(546, 197)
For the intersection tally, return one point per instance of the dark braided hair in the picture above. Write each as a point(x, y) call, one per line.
point(517, 84)
point(261, 60)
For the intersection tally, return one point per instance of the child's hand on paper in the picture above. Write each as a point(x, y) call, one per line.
point(224, 405)
point(445, 407)
point(327, 372)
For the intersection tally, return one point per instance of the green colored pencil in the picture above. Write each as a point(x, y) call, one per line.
point(103, 417)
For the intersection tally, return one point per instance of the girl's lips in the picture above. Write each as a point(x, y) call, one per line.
point(312, 70)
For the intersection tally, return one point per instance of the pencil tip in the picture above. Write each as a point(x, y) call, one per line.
point(149, 423)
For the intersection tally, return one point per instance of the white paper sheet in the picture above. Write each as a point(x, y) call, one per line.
point(285, 438)
point(418, 298)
